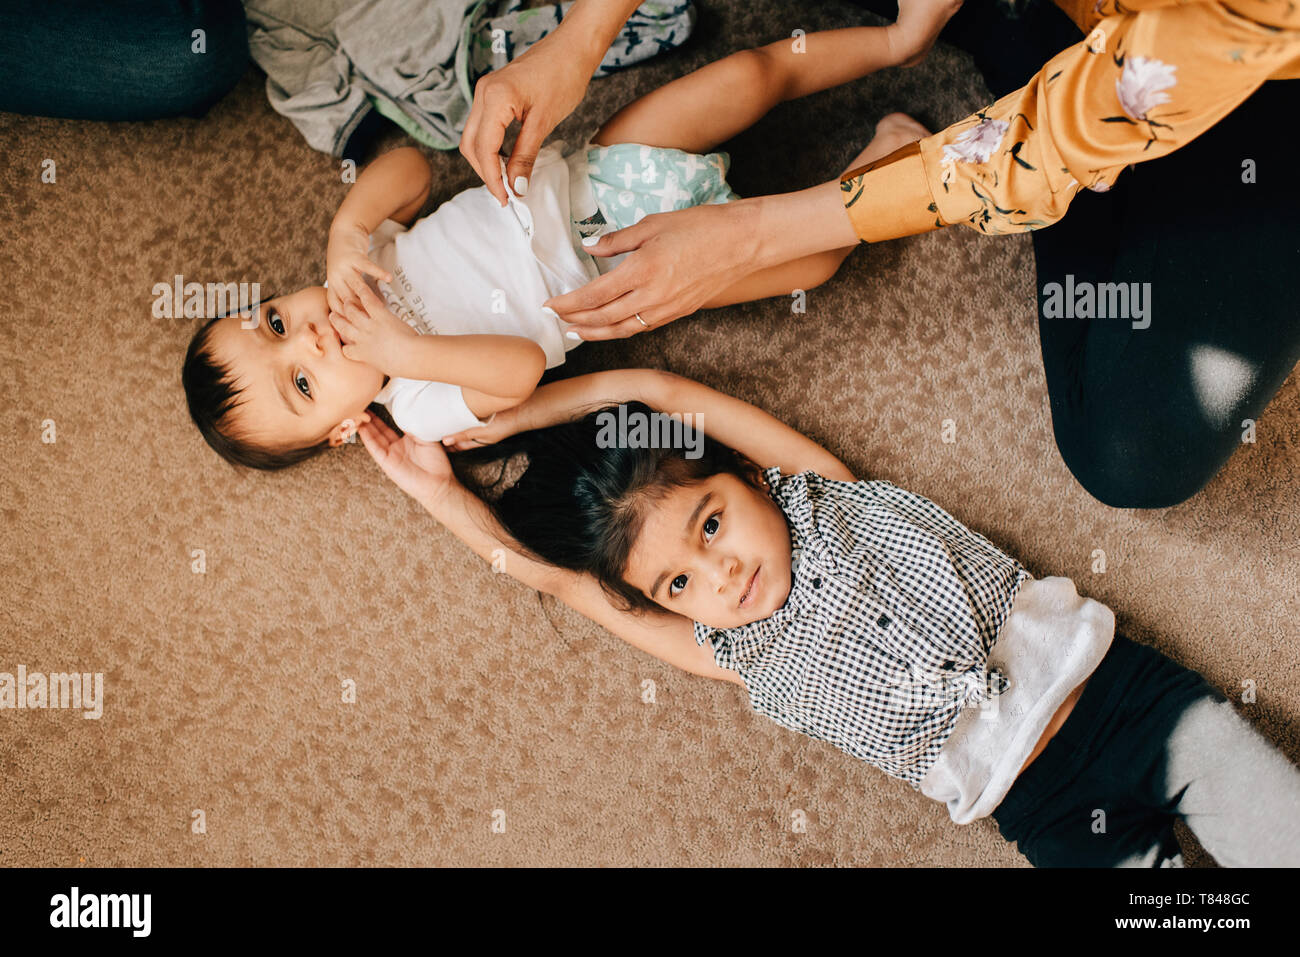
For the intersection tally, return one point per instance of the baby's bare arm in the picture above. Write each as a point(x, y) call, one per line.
point(494, 372)
point(394, 187)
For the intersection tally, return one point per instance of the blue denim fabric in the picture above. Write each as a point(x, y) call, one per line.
point(84, 59)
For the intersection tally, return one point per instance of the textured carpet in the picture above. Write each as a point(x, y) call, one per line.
point(476, 701)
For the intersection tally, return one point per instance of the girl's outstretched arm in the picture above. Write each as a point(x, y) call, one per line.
point(746, 428)
point(667, 636)
point(422, 470)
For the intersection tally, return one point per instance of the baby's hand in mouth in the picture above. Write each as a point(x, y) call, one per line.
point(370, 333)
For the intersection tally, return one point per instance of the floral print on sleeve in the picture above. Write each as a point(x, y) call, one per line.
point(1150, 76)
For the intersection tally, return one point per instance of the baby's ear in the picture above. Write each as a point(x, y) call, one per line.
point(346, 431)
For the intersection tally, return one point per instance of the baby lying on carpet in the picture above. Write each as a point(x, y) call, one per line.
point(443, 323)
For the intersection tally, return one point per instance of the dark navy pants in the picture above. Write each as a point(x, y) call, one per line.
point(1150, 741)
point(1146, 417)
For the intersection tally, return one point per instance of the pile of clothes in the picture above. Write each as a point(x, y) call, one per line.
point(331, 64)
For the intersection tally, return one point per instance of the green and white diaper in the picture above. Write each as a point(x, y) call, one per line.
point(630, 181)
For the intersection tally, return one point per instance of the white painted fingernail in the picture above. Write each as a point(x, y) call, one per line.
point(551, 312)
point(572, 335)
point(590, 240)
point(521, 185)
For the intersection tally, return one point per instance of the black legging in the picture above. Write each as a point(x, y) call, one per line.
point(1144, 418)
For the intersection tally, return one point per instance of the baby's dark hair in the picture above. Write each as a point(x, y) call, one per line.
point(211, 394)
point(580, 506)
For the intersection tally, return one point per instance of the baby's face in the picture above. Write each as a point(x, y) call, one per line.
point(717, 552)
point(298, 387)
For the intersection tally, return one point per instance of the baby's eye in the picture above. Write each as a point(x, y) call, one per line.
point(676, 585)
point(711, 525)
point(303, 385)
point(275, 322)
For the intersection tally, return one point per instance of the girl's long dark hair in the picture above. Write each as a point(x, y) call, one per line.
point(581, 506)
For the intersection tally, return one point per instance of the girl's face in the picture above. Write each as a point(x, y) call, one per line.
point(717, 552)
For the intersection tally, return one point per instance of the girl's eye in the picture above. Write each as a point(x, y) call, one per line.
point(303, 385)
point(676, 586)
point(275, 322)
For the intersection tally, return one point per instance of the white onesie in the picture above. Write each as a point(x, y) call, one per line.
point(474, 267)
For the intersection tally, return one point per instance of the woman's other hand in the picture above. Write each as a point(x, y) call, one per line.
point(678, 262)
point(681, 260)
point(539, 89)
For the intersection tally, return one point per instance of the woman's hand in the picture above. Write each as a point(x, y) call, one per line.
point(502, 424)
point(680, 261)
point(420, 469)
point(539, 89)
point(371, 334)
point(686, 258)
point(347, 263)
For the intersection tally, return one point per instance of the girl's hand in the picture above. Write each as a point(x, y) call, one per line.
point(420, 469)
point(347, 263)
point(371, 334)
point(502, 424)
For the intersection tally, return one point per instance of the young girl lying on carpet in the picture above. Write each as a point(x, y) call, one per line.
point(295, 377)
point(858, 613)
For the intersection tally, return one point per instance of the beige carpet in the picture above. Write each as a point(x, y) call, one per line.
point(223, 689)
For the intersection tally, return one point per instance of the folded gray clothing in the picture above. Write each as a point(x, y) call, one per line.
point(328, 62)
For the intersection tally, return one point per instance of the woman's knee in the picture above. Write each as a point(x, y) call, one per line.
point(1128, 462)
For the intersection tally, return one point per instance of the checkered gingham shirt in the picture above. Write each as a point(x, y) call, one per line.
point(893, 608)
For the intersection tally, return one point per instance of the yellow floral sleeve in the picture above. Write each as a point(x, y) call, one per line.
point(1150, 76)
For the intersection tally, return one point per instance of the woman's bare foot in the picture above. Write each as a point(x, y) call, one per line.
point(893, 130)
point(918, 24)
